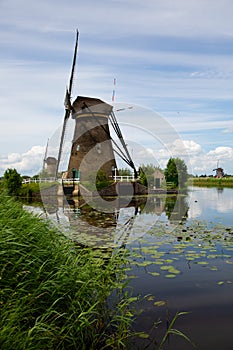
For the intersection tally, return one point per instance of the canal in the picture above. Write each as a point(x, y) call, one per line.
point(180, 261)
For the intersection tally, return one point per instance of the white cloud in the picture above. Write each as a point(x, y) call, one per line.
point(205, 163)
point(184, 147)
point(174, 55)
point(225, 153)
point(198, 161)
point(28, 163)
point(177, 18)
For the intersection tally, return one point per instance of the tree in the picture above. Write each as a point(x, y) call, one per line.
point(176, 172)
point(12, 181)
point(124, 172)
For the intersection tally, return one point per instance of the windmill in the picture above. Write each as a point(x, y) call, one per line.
point(219, 171)
point(93, 146)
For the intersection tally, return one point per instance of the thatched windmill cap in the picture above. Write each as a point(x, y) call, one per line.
point(89, 105)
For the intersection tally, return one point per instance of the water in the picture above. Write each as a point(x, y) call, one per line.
point(212, 204)
point(181, 255)
point(202, 252)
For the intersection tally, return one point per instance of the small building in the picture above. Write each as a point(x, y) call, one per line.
point(159, 178)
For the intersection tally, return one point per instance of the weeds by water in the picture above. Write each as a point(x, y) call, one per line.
point(55, 295)
point(213, 182)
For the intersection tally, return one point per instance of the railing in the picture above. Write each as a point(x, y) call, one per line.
point(50, 179)
point(126, 178)
point(70, 181)
point(36, 181)
point(117, 178)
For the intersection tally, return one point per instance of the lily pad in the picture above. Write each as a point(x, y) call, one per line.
point(160, 303)
point(220, 283)
point(229, 261)
point(214, 268)
point(143, 263)
point(170, 276)
point(166, 267)
point(154, 273)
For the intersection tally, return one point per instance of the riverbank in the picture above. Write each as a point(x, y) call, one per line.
point(212, 182)
point(55, 295)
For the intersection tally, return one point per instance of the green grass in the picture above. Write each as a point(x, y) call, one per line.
point(55, 295)
point(27, 190)
point(213, 182)
point(32, 190)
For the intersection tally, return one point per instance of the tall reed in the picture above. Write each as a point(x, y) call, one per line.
point(55, 295)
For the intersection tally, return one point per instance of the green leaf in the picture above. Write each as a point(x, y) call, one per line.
point(214, 268)
point(170, 276)
point(160, 303)
point(166, 267)
point(154, 273)
point(143, 335)
point(202, 263)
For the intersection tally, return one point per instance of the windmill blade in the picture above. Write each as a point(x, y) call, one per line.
point(117, 130)
point(74, 63)
point(67, 114)
point(45, 155)
point(67, 103)
point(124, 156)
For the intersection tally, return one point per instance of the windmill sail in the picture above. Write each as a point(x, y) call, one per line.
point(45, 156)
point(67, 104)
point(127, 158)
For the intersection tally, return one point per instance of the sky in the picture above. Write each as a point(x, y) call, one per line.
point(174, 58)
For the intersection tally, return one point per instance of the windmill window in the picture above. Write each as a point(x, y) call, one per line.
point(98, 148)
point(78, 148)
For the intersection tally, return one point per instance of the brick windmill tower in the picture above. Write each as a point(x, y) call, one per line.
point(93, 147)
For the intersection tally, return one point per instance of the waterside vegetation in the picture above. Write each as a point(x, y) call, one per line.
point(55, 295)
point(212, 181)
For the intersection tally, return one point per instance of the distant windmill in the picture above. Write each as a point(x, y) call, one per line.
point(219, 171)
point(93, 147)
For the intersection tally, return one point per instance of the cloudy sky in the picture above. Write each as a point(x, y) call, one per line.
point(171, 57)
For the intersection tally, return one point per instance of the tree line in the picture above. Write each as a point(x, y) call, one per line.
point(175, 175)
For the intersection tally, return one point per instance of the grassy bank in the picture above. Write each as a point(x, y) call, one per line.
point(55, 295)
point(212, 181)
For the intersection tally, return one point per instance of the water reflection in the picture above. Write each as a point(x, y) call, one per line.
point(211, 204)
point(176, 208)
point(191, 270)
point(132, 218)
point(129, 220)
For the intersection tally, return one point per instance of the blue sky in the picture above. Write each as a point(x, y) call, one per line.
point(172, 57)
